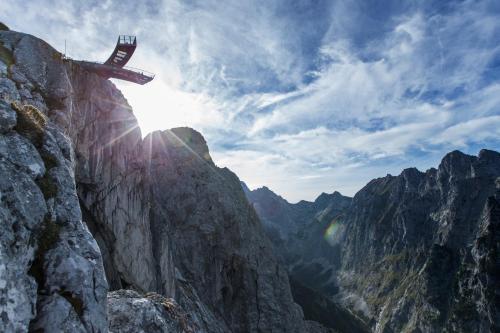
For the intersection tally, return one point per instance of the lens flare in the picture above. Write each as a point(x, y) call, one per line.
point(331, 232)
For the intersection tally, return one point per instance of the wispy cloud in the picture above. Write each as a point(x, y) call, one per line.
point(301, 96)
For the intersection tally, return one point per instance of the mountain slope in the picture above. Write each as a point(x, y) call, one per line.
point(414, 252)
point(411, 247)
point(165, 218)
point(299, 233)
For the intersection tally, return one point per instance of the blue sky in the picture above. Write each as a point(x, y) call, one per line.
point(302, 96)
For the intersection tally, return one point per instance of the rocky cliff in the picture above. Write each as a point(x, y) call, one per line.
point(416, 252)
point(88, 206)
point(299, 234)
point(421, 249)
point(306, 237)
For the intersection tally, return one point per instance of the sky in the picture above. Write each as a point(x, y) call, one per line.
point(302, 96)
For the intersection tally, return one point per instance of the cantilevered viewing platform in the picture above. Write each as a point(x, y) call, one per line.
point(115, 67)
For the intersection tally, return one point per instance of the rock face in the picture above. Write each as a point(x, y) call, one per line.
point(216, 238)
point(162, 217)
point(130, 312)
point(299, 233)
point(306, 235)
point(413, 253)
point(421, 249)
point(51, 273)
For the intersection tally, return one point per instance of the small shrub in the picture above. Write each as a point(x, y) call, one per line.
point(46, 239)
point(49, 189)
point(57, 56)
point(49, 160)
point(49, 235)
point(31, 122)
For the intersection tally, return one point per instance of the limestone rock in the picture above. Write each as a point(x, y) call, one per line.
point(51, 268)
point(411, 237)
point(22, 210)
point(216, 238)
point(413, 252)
point(130, 312)
point(85, 165)
point(7, 117)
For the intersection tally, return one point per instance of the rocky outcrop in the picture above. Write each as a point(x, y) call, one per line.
point(51, 273)
point(217, 240)
point(130, 311)
point(306, 236)
point(414, 252)
point(411, 247)
point(165, 218)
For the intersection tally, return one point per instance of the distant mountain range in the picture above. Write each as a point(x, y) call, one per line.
point(418, 252)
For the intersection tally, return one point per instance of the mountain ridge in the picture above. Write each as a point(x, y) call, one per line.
point(440, 215)
point(93, 175)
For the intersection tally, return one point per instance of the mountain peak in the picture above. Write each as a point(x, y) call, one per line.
point(180, 138)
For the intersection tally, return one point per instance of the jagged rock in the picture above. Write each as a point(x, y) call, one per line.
point(216, 238)
point(413, 252)
point(91, 139)
point(110, 181)
point(22, 210)
point(51, 271)
point(56, 314)
point(200, 314)
point(7, 117)
point(300, 234)
point(407, 250)
point(8, 90)
point(419, 251)
point(130, 312)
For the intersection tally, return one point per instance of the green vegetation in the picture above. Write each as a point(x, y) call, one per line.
point(387, 279)
point(57, 56)
point(6, 56)
point(49, 189)
point(49, 160)
point(47, 238)
point(3, 27)
point(31, 122)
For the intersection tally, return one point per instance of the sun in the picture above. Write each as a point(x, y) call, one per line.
point(159, 106)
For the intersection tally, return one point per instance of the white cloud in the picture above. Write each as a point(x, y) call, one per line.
point(414, 81)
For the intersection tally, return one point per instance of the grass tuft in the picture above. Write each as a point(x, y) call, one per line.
point(31, 122)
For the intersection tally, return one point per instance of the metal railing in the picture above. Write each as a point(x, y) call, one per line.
point(140, 71)
point(124, 39)
point(132, 69)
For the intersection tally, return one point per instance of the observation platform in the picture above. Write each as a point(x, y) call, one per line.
point(115, 67)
